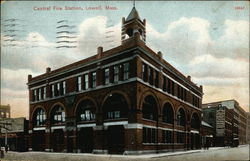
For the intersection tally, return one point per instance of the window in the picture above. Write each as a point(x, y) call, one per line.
point(79, 83)
point(169, 85)
point(40, 117)
point(57, 89)
point(44, 92)
point(181, 118)
point(180, 137)
point(150, 75)
point(106, 75)
point(86, 81)
point(126, 71)
point(144, 72)
point(166, 136)
point(35, 95)
point(93, 79)
point(164, 84)
point(116, 73)
point(149, 108)
point(53, 90)
point(39, 94)
point(173, 84)
point(86, 111)
point(156, 79)
point(149, 135)
point(64, 87)
point(58, 115)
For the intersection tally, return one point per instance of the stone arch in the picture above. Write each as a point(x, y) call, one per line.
point(168, 108)
point(118, 92)
point(146, 93)
point(87, 109)
point(115, 105)
point(85, 98)
point(181, 116)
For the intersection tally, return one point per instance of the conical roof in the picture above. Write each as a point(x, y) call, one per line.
point(133, 15)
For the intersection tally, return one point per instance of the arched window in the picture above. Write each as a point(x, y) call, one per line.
point(115, 106)
point(149, 108)
point(85, 111)
point(39, 117)
point(58, 115)
point(181, 121)
point(195, 121)
point(168, 114)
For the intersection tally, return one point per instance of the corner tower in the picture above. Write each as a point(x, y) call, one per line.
point(132, 25)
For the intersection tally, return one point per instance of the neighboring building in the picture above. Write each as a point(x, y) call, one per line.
point(248, 128)
point(4, 111)
point(16, 130)
point(238, 119)
point(207, 132)
point(125, 100)
point(220, 118)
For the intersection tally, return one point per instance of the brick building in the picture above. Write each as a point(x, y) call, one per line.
point(220, 118)
point(4, 111)
point(125, 100)
point(236, 120)
point(14, 133)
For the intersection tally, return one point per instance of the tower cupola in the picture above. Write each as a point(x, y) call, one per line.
point(133, 25)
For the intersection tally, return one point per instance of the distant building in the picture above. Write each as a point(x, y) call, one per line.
point(207, 132)
point(248, 128)
point(235, 119)
point(4, 111)
point(220, 117)
point(16, 130)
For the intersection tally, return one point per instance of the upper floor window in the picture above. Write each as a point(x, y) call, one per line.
point(58, 115)
point(106, 74)
point(57, 90)
point(126, 71)
point(164, 84)
point(93, 79)
point(39, 94)
point(34, 95)
point(156, 79)
point(86, 81)
point(116, 73)
point(64, 87)
point(150, 75)
point(53, 90)
point(144, 72)
point(44, 92)
point(79, 83)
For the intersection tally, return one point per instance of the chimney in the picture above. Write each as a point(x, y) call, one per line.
point(99, 51)
point(144, 22)
point(159, 54)
point(48, 70)
point(201, 87)
point(189, 77)
point(29, 77)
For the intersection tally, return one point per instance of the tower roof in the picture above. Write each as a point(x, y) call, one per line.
point(133, 15)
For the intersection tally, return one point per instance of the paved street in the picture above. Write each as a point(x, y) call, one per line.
point(213, 154)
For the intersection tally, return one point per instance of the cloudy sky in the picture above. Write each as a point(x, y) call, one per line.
point(207, 40)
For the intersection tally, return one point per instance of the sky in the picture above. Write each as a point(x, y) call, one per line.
point(207, 40)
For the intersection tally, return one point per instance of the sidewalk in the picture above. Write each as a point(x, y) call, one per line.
point(142, 156)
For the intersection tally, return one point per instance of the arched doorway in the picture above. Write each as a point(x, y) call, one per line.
point(38, 135)
point(114, 108)
point(57, 118)
point(85, 113)
point(195, 136)
point(149, 108)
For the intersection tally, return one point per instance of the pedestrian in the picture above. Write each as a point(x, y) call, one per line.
point(6, 148)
